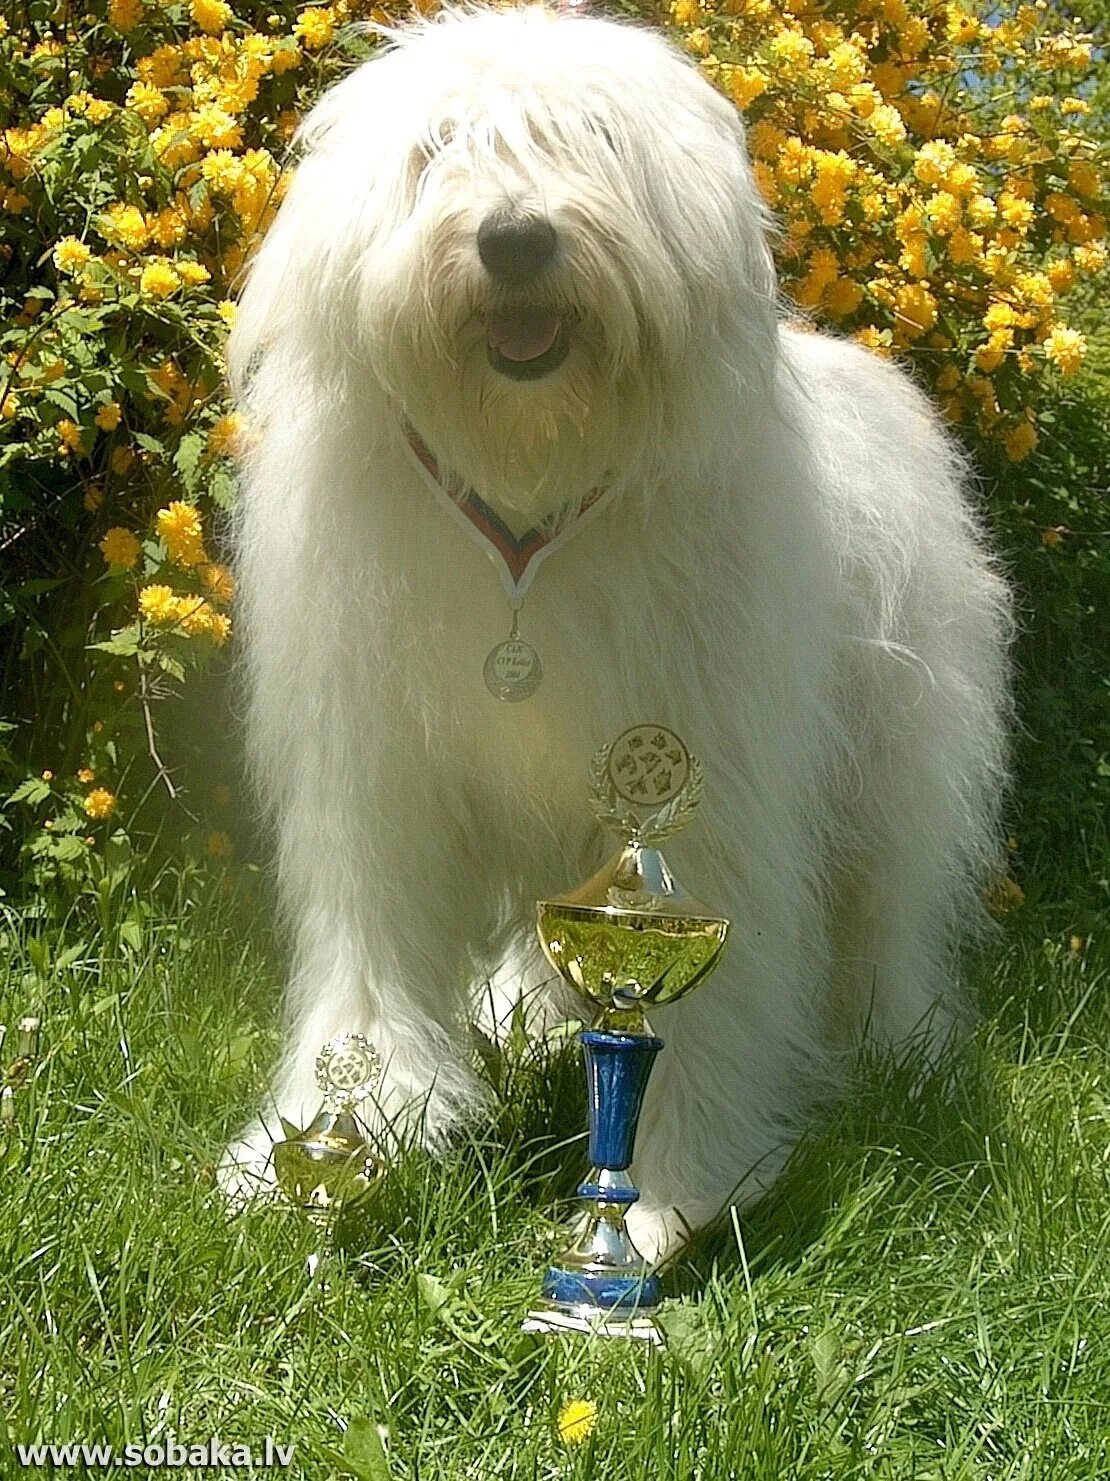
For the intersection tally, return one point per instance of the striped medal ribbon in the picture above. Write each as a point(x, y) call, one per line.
point(512, 669)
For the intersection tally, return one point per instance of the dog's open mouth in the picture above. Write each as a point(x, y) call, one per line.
point(526, 343)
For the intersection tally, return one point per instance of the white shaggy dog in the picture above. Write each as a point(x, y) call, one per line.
point(534, 239)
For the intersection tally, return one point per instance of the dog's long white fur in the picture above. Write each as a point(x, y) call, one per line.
point(791, 576)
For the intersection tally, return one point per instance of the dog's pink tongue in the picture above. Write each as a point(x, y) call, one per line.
point(523, 334)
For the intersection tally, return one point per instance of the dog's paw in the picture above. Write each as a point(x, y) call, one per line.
point(246, 1169)
point(659, 1233)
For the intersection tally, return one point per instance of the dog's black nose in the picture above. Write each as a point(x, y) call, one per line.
point(515, 247)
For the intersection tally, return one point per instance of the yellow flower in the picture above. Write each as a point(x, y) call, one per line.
point(125, 225)
point(220, 583)
point(159, 280)
point(879, 341)
point(960, 27)
point(888, 126)
point(69, 435)
point(70, 255)
point(843, 297)
point(227, 311)
point(147, 101)
point(1016, 211)
point(1065, 348)
point(159, 605)
point(86, 775)
point(224, 434)
point(685, 12)
point(121, 460)
point(915, 309)
point(212, 16)
point(981, 210)
point(943, 211)
point(108, 416)
point(218, 846)
point(315, 27)
point(9, 407)
point(215, 128)
point(745, 84)
point(1006, 895)
point(100, 803)
point(1091, 257)
point(577, 1421)
point(94, 497)
point(199, 620)
point(191, 273)
point(179, 526)
point(933, 161)
point(1083, 177)
point(792, 50)
point(1020, 441)
point(119, 547)
point(124, 14)
point(1053, 536)
point(1000, 316)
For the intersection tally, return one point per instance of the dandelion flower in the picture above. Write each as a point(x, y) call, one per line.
point(577, 1421)
point(108, 416)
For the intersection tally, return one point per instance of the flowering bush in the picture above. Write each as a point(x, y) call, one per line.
point(938, 194)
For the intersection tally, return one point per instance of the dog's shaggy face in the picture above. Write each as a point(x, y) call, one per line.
point(495, 218)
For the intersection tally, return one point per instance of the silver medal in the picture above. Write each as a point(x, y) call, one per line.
point(513, 670)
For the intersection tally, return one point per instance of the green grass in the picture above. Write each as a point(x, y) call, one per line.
point(925, 1294)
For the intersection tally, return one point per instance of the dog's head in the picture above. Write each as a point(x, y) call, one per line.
point(536, 233)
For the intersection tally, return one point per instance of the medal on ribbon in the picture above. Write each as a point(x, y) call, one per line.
point(512, 670)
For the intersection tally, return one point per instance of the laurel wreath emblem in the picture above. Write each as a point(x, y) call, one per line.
point(613, 812)
point(348, 1069)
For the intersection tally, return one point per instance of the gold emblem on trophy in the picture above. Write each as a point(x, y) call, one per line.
point(632, 936)
point(330, 1161)
point(629, 938)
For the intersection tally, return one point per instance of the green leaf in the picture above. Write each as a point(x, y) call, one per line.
point(690, 1334)
point(187, 460)
point(363, 1454)
point(34, 790)
point(131, 934)
point(125, 643)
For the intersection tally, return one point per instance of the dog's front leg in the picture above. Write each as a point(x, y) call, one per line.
point(386, 960)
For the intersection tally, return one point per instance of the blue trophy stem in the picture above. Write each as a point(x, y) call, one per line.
point(618, 1067)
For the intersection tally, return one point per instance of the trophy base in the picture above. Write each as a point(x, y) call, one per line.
point(599, 1303)
point(592, 1322)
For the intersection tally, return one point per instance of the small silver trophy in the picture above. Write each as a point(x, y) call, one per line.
point(631, 936)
